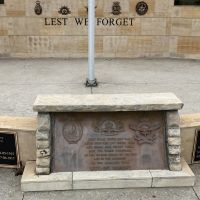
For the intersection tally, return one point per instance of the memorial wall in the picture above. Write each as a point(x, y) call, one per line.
point(124, 28)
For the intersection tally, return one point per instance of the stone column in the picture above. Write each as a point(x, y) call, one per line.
point(43, 144)
point(173, 140)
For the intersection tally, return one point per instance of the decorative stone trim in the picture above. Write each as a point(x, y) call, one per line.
point(173, 140)
point(43, 141)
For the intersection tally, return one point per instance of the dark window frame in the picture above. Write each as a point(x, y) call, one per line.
point(1, 2)
point(187, 2)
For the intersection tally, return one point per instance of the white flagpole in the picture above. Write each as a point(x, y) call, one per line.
point(91, 81)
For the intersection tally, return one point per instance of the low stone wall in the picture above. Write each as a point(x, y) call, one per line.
point(164, 31)
point(189, 124)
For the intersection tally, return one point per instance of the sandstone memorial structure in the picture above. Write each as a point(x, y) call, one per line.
point(131, 28)
point(107, 141)
point(99, 141)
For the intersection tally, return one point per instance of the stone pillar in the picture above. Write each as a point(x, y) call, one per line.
point(173, 140)
point(43, 144)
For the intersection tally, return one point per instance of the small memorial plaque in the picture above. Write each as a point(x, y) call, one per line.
point(9, 156)
point(196, 150)
point(108, 141)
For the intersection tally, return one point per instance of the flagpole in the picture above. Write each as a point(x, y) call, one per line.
point(91, 80)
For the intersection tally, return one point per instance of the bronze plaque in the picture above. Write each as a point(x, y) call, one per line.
point(108, 141)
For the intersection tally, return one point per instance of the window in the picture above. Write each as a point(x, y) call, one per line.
point(1, 1)
point(187, 2)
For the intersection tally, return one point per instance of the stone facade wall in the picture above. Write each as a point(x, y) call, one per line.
point(165, 31)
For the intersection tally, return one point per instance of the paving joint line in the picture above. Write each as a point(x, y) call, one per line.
point(195, 193)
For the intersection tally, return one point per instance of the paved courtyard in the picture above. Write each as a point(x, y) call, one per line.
point(22, 80)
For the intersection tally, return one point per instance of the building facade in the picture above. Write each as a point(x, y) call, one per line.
point(124, 28)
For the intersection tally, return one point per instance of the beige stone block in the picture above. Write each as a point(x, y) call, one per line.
point(183, 11)
point(190, 120)
point(115, 45)
point(44, 122)
point(175, 166)
point(188, 45)
point(15, 8)
point(55, 181)
point(190, 12)
point(42, 135)
point(69, 45)
point(111, 179)
point(25, 26)
point(161, 8)
point(83, 45)
point(107, 102)
point(166, 178)
point(5, 46)
point(2, 10)
point(181, 27)
point(173, 132)
point(173, 45)
point(195, 27)
point(42, 171)
point(174, 141)
point(174, 159)
point(3, 26)
point(43, 162)
point(173, 119)
point(19, 44)
point(135, 46)
point(153, 26)
point(174, 150)
point(42, 144)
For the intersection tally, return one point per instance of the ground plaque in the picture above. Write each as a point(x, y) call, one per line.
point(108, 141)
point(9, 156)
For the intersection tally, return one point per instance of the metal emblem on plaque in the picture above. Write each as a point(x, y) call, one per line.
point(38, 8)
point(116, 8)
point(142, 8)
point(64, 10)
point(109, 127)
point(72, 131)
point(145, 132)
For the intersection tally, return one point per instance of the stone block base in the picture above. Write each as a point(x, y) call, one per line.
point(105, 179)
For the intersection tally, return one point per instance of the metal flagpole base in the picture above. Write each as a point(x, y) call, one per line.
point(91, 83)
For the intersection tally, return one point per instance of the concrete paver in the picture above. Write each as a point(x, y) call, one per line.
point(120, 194)
point(10, 185)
